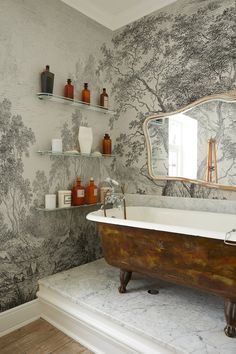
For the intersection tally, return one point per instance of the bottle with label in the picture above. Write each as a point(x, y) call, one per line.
point(78, 193)
point(47, 80)
point(69, 90)
point(106, 145)
point(86, 94)
point(104, 99)
point(91, 192)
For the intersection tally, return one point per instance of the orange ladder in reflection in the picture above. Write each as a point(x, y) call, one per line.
point(212, 173)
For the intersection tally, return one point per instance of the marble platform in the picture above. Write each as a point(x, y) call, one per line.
point(199, 204)
point(180, 319)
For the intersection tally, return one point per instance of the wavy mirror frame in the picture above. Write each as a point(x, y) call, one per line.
point(229, 96)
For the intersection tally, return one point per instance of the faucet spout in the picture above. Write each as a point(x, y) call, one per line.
point(110, 197)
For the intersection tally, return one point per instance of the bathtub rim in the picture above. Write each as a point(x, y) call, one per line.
point(97, 216)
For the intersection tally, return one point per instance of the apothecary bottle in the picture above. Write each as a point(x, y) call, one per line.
point(47, 80)
point(69, 90)
point(91, 192)
point(78, 193)
point(104, 99)
point(86, 94)
point(106, 145)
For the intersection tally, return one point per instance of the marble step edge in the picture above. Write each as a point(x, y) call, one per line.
point(93, 330)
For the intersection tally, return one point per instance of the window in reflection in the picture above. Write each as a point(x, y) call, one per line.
point(182, 136)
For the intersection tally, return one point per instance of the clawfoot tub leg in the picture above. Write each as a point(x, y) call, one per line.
point(125, 277)
point(230, 315)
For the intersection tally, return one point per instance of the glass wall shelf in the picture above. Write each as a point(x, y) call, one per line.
point(73, 154)
point(69, 208)
point(73, 102)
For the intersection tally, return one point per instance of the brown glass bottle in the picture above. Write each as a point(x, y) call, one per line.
point(69, 90)
point(106, 145)
point(78, 193)
point(91, 192)
point(104, 99)
point(86, 94)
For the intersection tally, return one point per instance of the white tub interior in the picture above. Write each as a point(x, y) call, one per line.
point(196, 223)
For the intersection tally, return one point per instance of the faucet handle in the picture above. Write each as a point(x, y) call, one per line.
point(111, 181)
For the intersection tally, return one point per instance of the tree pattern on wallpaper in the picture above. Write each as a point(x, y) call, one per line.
point(163, 62)
point(15, 193)
point(35, 244)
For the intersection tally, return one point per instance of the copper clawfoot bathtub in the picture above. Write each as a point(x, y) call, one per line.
point(184, 247)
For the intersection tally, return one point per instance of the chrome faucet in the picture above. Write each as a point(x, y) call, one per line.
point(111, 197)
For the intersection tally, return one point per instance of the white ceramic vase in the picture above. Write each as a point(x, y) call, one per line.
point(85, 138)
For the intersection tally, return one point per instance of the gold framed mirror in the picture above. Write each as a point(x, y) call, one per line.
point(195, 144)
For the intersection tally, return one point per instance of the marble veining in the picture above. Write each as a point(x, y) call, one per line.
point(198, 204)
point(183, 319)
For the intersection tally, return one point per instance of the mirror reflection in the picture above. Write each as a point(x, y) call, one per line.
point(196, 144)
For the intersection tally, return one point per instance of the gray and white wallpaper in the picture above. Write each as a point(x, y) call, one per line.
point(34, 243)
point(163, 62)
point(157, 64)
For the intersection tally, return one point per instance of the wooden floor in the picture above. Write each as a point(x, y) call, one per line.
point(40, 337)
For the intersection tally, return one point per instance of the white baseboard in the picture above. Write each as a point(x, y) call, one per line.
point(19, 316)
point(92, 329)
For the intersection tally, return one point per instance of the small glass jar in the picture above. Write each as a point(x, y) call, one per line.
point(69, 90)
point(50, 201)
point(86, 94)
point(64, 199)
point(106, 145)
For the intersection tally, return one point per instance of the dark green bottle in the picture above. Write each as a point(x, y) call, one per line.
point(47, 80)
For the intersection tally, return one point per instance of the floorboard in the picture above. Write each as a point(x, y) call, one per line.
point(40, 337)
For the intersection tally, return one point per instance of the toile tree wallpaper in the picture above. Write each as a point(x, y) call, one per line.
point(35, 243)
point(157, 64)
point(161, 63)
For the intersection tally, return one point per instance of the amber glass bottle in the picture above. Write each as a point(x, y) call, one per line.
point(91, 192)
point(69, 89)
point(106, 145)
point(78, 193)
point(86, 94)
point(104, 99)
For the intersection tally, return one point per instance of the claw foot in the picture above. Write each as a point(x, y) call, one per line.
point(230, 331)
point(122, 289)
point(230, 315)
point(125, 277)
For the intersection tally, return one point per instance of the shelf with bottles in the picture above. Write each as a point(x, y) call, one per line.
point(74, 102)
point(70, 208)
point(73, 154)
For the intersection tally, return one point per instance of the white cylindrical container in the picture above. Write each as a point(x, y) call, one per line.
point(56, 145)
point(64, 199)
point(50, 201)
point(85, 138)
